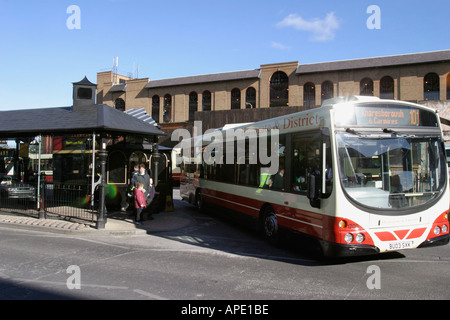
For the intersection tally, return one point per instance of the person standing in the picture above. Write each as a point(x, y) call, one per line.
point(144, 178)
point(278, 180)
point(139, 201)
point(134, 174)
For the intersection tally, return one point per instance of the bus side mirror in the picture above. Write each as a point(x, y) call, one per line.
point(314, 190)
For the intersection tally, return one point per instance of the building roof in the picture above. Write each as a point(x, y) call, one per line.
point(216, 77)
point(121, 87)
point(68, 120)
point(85, 82)
point(405, 59)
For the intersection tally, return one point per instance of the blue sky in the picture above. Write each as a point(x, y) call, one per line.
point(40, 56)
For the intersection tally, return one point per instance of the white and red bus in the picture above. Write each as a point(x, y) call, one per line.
point(360, 175)
point(176, 172)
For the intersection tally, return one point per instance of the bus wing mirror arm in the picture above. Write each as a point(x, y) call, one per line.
point(313, 193)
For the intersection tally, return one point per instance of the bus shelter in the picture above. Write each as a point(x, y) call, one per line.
point(80, 132)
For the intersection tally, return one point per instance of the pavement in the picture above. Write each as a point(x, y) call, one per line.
point(118, 223)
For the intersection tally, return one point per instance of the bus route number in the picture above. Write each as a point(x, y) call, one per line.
point(415, 119)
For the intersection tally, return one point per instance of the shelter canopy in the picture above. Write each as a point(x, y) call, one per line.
point(98, 118)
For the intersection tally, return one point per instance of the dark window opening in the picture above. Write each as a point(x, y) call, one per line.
point(431, 87)
point(84, 93)
point(155, 108)
point(387, 88)
point(167, 108)
point(279, 90)
point(119, 104)
point(327, 90)
point(235, 98)
point(309, 95)
point(193, 104)
point(366, 87)
point(250, 98)
point(206, 101)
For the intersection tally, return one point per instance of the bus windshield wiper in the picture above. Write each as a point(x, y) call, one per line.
point(387, 130)
point(352, 131)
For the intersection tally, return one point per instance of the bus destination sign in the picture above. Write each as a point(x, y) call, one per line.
point(386, 115)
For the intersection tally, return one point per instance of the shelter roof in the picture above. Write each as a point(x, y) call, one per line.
point(68, 120)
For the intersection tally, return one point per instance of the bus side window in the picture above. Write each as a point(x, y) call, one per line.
point(276, 148)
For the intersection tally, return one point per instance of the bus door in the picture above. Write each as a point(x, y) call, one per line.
point(311, 171)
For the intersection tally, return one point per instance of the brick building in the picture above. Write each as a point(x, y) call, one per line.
point(289, 86)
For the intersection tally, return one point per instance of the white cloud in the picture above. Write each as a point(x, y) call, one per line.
point(280, 46)
point(322, 29)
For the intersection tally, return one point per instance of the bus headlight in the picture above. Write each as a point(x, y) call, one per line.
point(437, 230)
point(359, 238)
point(444, 228)
point(348, 238)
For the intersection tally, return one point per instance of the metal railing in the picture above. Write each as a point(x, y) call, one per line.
point(53, 199)
point(68, 200)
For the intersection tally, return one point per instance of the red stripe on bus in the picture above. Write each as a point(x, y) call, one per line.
point(401, 234)
point(385, 236)
point(307, 222)
point(296, 219)
point(416, 233)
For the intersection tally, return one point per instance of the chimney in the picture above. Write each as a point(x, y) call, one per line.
point(84, 93)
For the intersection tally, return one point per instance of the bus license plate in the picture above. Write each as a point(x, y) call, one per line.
point(400, 245)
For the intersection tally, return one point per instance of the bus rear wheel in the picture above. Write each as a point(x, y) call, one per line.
point(199, 201)
point(269, 225)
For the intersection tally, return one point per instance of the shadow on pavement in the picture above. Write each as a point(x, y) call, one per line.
point(216, 230)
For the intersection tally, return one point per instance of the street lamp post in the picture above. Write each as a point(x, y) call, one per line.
point(103, 154)
point(155, 157)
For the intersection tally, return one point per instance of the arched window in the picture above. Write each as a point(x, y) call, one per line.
point(327, 90)
point(309, 94)
point(206, 101)
point(387, 88)
point(431, 87)
point(366, 87)
point(119, 104)
point(193, 105)
point(279, 90)
point(136, 158)
point(235, 98)
point(167, 108)
point(250, 98)
point(155, 108)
